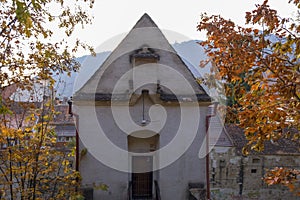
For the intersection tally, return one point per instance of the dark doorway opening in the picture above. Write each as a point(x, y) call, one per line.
point(142, 177)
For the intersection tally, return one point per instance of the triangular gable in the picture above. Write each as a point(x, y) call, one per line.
point(218, 135)
point(144, 33)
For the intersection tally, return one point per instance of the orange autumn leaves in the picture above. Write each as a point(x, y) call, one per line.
point(287, 177)
point(261, 71)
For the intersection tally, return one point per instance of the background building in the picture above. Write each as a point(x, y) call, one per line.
point(236, 176)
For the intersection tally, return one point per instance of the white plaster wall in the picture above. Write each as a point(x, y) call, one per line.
point(94, 172)
point(189, 168)
point(173, 179)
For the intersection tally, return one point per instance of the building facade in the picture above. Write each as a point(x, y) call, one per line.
point(142, 120)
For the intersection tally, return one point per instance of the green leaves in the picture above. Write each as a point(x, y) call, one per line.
point(24, 17)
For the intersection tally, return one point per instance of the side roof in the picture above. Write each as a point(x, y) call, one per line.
point(218, 135)
point(283, 146)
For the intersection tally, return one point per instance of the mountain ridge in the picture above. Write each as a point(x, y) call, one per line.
point(190, 52)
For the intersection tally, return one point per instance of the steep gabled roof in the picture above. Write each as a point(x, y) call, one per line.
point(145, 21)
point(144, 33)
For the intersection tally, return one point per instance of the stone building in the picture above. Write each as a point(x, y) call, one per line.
point(235, 176)
point(141, 120)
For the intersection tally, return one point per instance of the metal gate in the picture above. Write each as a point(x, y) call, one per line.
point(142, 182)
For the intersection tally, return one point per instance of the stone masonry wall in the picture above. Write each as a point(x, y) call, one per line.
point(238, 177)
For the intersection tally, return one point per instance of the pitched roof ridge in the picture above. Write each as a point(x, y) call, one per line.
point(145, 21)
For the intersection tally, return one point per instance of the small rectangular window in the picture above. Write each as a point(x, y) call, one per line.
point(222, 163)
point(253, 171)
point(256, 160)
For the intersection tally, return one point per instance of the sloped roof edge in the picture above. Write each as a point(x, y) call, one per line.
point(144, 21)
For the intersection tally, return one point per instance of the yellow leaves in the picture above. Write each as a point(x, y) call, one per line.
point(28, 129)
point(83, 152)
point(100, 186)
point(46, 117)
point(250, 130)
point(296, 137)
point(6, 132)
point(53, 140)
point(28, 26)
point(30, 117)
point(65, 163)
point(245, 151)
point(258, 147)
point(255, 86)
point(30, 152)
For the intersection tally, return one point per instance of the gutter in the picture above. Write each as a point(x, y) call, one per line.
point(70, 103)
point(77, 141)
point(207, 149)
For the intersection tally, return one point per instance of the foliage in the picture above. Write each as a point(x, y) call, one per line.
point(285, 176)
point(261, 72)
point(30, 166)
point(26, 33)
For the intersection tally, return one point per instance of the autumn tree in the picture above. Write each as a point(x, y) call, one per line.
point(259, 66)
point(30, 168)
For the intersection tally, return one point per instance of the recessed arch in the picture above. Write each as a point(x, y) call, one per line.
point(143, 141)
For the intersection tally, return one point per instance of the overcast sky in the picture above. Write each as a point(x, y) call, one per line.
point(113, 17)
